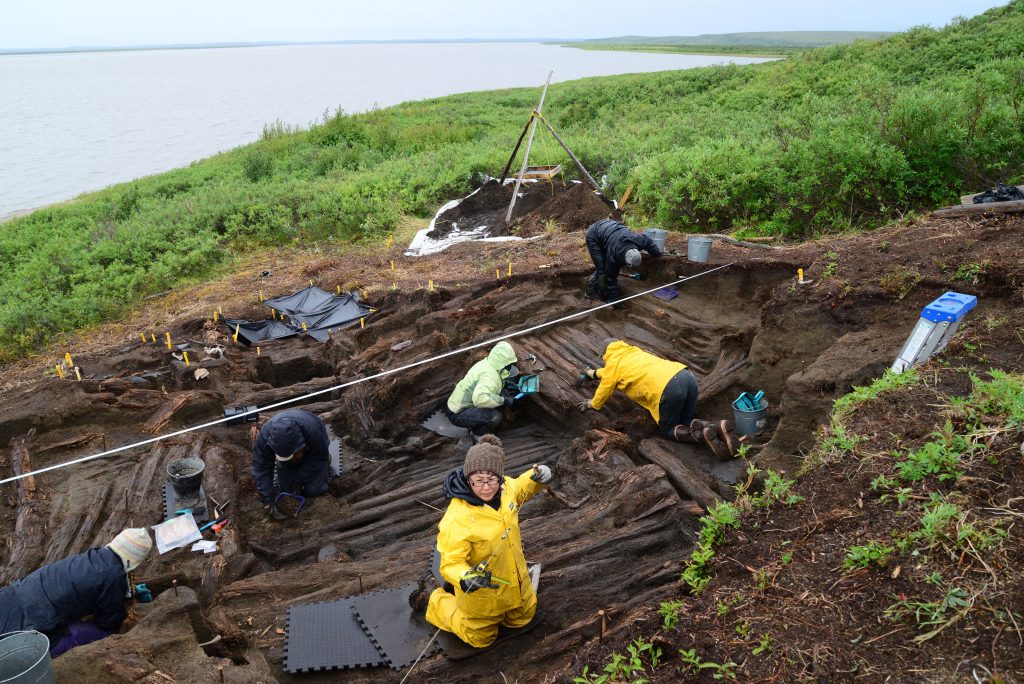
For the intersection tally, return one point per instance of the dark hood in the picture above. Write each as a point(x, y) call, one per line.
point(457, 487)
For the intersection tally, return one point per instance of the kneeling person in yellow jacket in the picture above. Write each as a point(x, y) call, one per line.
point(481, 550)
point(666, 389)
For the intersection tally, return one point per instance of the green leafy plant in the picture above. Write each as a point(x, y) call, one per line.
point(764, 645)
point(693, 664)
point(858, 557)
point(777, 489)
point(669, 611)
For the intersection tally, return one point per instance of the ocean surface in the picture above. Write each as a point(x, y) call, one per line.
point(76, 122)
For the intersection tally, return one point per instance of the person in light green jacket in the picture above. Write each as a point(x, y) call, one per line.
point(475, 401)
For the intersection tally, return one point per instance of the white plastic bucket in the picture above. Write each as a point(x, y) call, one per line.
point(25, 658)
point(698, 249)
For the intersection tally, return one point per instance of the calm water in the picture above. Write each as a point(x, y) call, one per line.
point(70, 123)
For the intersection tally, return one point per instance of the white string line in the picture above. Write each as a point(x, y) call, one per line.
point(357, 381)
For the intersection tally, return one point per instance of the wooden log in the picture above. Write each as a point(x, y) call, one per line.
point(978, 209)
point(29, 527)
point(529, 144)
point(515, 150)
point(688, 480)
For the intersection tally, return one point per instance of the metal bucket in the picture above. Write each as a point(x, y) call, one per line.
point(698, 249)
point(25, 659)
point(750, 422)
point(186, 475)
point(658, 236)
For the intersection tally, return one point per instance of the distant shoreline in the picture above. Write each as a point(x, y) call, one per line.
point(221, 46)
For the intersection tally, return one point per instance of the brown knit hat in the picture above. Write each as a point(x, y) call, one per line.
point(485, 455)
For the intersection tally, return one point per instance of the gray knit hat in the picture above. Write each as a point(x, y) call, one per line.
point(633, 257)
point(485, 455)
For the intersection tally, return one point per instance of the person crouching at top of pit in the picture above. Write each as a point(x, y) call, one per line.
point(481, 550)
point(612, 245)
point(666, 389)
point(475, 402)
point(80, 599)
point(293, 446)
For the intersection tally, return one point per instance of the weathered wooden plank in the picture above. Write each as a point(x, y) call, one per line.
point(977, 209)
point(30, 525)
point(689, 481)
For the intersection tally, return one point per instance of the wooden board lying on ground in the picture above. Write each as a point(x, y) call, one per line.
point(988, 208)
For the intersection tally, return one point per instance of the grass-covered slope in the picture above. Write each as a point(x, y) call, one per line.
point(755, 43)
point(834, 138)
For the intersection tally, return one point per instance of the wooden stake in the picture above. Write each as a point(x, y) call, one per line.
point(67, 357)
point(142, 336)
point(625, 196)
point(497, 274)
point(362, 322)
point(360, 583)
point(311, 282)
point(529, 144)
point(430, 285)
point(257, 351)
point(392, 265)
point(303, 326)
point(800, 275)
point(339, 289)
point(235, 336)
point(185, 355)
point(215, 315)
point(387, 244)
point(174, 584)
point(168, 335)
point(601, 614)
point(261, 296)
point(510, 269)
point(152, 337)
point(78, 374)
point(273, 313)
point(59, 371)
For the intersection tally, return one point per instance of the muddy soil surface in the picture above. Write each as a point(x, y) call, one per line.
point(541, 207)
point(619, 524)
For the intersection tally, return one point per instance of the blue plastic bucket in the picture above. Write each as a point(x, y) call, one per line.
point(698, 249)
point(658, 236)
point(750, 422)
point(25, 659)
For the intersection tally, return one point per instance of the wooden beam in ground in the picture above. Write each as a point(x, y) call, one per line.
point(688, 480)
point(976, 209)
point(27, 541)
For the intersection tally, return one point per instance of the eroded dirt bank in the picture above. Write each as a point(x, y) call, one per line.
point(617, 532)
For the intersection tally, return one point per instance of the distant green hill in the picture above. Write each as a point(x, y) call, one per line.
point(834, 138)
point(802, 39)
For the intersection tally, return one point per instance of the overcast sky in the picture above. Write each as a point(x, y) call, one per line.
point(64, 23)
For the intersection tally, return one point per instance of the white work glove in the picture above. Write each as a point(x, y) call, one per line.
point(584, 405)
point(541, 474)
point(589, 372)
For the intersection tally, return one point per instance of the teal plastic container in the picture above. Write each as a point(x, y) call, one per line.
point(528, 384)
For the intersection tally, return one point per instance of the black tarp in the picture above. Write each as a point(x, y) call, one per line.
point(321, 312)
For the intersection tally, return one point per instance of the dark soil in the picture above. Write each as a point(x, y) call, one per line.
point(620, 530)
point(541, 207)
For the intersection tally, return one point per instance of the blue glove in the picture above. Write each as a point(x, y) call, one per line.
point(519, 396)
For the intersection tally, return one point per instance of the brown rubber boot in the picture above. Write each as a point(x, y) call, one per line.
point(714, 442)
point(684, 434)
point(728, 435)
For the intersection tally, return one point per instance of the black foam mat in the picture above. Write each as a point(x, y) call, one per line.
point(327, 636)
point(387, 618)
point(172, 503)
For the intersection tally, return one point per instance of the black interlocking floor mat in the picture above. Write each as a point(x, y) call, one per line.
point(172, 503)
point(387, 618)
point(327, 636)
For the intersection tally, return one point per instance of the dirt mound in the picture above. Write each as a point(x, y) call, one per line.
point(571, 207)
point(570, 211)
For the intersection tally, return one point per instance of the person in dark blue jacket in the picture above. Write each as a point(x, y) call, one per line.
point(612, 245)
point(295, 444)
point(57, 598)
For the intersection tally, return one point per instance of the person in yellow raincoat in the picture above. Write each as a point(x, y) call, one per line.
point(666, 389)
point(481, 551)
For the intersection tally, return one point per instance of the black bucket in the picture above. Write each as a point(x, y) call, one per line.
point(186, 476)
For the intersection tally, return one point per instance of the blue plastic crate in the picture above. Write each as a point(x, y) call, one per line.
point(950, 307)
